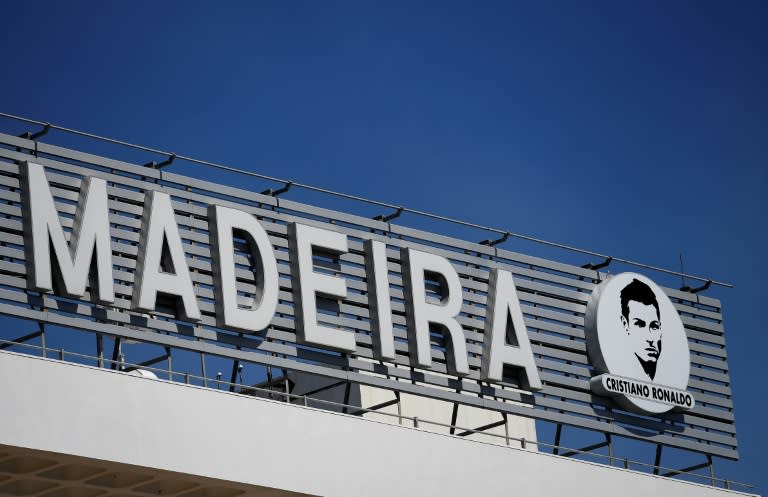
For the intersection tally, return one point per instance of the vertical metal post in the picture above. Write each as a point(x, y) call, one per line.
point(610, 448)
point(61, 354)
point(236, 366)
point(558, 432)
point(115, 354)
point(415, 421)
point(202, 369)
point(522, 443)
point(186, 378)
point(711, 470)
point(626, 463)
point(657, 461)
point(170, 363)
point(42, 340)
point(399, 409)
point(233, 376)
point(506, 428)
point(287, 386)
point(347, 392)
point(305, 401)
point(100, 350)
point(454, 417)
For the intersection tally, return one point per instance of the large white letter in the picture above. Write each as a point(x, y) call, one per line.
point(307, 283)
point(222, 222)
point(90, 233)
point(420, 313)
point(378, 299)
point(503, 304)
point(157, 226)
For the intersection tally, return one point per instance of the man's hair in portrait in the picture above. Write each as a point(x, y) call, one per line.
point(639, 292)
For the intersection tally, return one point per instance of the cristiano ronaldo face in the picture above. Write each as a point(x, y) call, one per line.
point(643, 328)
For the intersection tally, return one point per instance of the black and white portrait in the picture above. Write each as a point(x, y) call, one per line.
point(641, 321)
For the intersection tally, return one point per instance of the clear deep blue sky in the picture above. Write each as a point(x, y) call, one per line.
point(637, 129)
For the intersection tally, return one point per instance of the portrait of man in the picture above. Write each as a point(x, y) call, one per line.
point(641, 320)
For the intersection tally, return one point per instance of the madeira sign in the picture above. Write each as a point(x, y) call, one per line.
point(162, 269)
point(638, 376)
point(122, 250)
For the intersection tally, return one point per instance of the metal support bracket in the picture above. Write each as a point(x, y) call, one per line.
point(237, 367)
point(558, 434)
point(588, 448)
point(17, 341)
point(384, 404)
point(100, 350)
point(454, 417)
point(322, 389)
point(148, 362)
point(492, 243)
point(347, 393)
point(697, 289)
point(160, 165)
point(279, 191)
point(690, 469)
point(116, 353)
point(271, 385)
point(34, 136)
point(389, 217)
point(599, 265)
point(481, 428)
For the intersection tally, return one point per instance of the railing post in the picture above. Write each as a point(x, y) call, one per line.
point(506, 428)
point(287, 387)
point(100, 349)
point(399, 409)
point(610, 448)
point(415, 421)
point(170, 363)
point(522, 443)
point(42, 340)
point(202, 369)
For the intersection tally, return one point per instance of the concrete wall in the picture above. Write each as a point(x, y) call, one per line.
point(83, 411)
point(425, 409)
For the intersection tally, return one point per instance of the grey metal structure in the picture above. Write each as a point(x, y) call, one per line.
point(553, 296)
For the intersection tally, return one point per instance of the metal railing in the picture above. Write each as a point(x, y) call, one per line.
point(357, 411)
point(399, 209)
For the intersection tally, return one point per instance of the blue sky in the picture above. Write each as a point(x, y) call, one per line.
point(636, 129)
